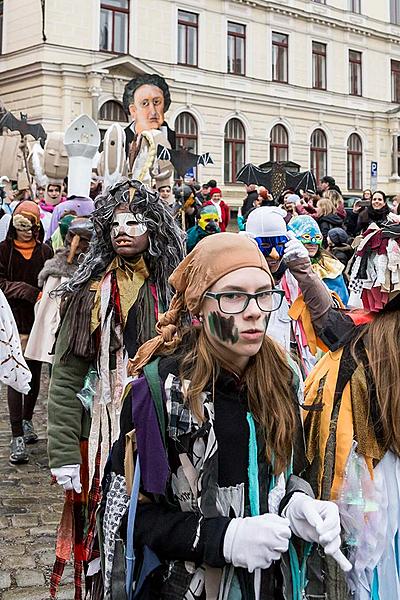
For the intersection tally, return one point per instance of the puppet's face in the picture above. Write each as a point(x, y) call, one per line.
point(209, 221)
point(55, 157)
point(273, 249)
point(129, 236)
point(147, 108)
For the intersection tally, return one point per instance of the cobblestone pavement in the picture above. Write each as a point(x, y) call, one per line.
point(30, 509)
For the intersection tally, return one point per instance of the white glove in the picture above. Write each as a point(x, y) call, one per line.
point(294, 249)
point(254, 542)
point(317, 521)
point(68, 477)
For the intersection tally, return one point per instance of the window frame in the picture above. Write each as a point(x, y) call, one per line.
point(394, 12)
point(186, 136)
point(278, 45)
point(355, 6)
point(353, 156)
point(236, 36)
point(1, 25)
point(114, 10)
point(276, 147)
point(351, 79)
point(233, 142)
point(316, 152)
point(395, 97)
point(187, 25)
point(315, 54)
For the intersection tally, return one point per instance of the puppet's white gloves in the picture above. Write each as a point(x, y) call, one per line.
point(68, 477)
point(294, 249)
point(254, 542)
point(317, 521)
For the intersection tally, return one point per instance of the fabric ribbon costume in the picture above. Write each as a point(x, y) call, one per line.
point(110, 307)
point(162, 484)
point(350, 461)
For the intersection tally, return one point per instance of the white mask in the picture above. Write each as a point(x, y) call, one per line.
point(128, 224)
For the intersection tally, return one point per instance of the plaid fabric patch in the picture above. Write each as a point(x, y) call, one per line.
point(180, 420)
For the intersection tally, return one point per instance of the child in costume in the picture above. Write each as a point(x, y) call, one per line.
point(207, 224)
point(204, 477)
point(328, 268)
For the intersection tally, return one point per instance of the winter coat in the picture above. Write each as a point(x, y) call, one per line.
point(344, 252)
point(47, 310)
point(197, 484)
point(19, 279)
point(248, 203)
point(328, 222)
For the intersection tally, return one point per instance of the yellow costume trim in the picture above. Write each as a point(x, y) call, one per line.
point(328, 267)
point(130, 278)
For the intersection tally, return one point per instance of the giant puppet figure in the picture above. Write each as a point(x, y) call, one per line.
point(147, 98)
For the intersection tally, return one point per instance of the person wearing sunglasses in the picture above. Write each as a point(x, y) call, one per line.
point(327, 267)
point(213, 471)
point(306, 301)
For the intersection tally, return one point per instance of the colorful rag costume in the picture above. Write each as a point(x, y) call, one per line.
point(375, 274)
point(326, 266)
point(350, 464)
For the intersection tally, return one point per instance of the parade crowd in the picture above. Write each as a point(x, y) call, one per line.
point(223, 408)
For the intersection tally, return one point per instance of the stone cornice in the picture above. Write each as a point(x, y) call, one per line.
point(330, 21)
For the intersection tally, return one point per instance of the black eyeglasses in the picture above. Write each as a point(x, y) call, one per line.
point(233, 303)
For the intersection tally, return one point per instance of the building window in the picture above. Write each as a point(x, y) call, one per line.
point(319, 65)
point(395, 68)
point(186, 132)
point(1, 24)
point(114, 18)
point(236, 48)
point(320, 1)
point(355, 73)
point(279, 146)
point(319, 154)
point(187, 38)
point(234, 149)
point(355, 6)
point(354, 162)
point(395, 12)
point(112, 111)
point(280, 44)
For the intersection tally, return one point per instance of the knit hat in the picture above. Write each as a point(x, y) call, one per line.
point(266, 221)
point(338, 236)
point(215, 190)
point(28, 208)
point(213, 257)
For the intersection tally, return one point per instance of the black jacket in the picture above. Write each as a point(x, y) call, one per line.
point(328, 222)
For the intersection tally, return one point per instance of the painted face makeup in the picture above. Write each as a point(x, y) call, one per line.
point(127, 224)
point(223, 328)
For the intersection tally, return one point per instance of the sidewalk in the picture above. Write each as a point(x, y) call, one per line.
point(30, 510)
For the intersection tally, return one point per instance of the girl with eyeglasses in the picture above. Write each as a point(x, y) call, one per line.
point(211, 445)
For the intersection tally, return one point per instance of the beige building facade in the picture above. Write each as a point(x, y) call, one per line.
point(251, 80)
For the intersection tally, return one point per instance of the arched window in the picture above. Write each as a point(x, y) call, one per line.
point(234, 149)
point(279, 148)
point(354, 162)
point(319, 154)
point(112, 111)
point(186, 132)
